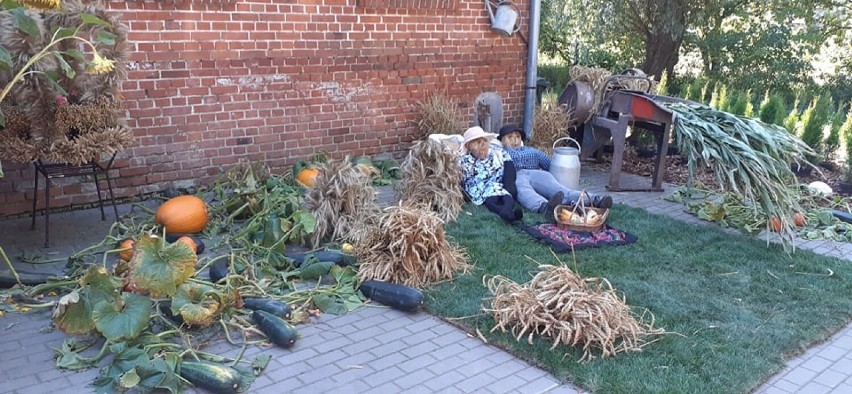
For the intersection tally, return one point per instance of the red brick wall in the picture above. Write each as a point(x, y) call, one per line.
point(211, 82)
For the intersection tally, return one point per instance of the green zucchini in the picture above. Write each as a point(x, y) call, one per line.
point(274, 307)
point(7, 278)
point(334, 256)
point(276, 329)
point(218, 270)
point(212, 377)
point(396, 296)
point(199, 244)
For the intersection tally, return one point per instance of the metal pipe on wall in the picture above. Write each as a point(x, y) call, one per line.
point(532, 63)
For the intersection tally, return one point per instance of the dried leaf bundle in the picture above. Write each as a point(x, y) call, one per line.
point(439, 115)
point(560, 305)
point(343, 201)
point(431, 176)
point(409, 247)
point(551, 122)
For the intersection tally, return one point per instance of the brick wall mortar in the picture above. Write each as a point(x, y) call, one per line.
point(211, 82)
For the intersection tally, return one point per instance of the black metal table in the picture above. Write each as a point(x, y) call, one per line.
point(63, 170)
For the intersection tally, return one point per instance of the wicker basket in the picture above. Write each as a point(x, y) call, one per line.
point(580, 209)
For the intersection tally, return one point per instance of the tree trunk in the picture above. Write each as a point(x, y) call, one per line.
point(661, 53)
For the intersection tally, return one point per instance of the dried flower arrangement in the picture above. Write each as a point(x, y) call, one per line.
point(61, 100)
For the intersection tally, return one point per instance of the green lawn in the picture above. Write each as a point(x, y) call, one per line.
point(739, 308)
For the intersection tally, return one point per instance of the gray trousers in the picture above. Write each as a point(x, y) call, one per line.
point(535, 187)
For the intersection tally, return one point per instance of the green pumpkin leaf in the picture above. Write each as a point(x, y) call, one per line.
point(330, 304)
point(304, 219)
point(128, 380)
point(260, 363)
point(68, 355)
point(313, 269)
point(159, 267)
point(124, 321)
point(198, 304)
point(73, 312)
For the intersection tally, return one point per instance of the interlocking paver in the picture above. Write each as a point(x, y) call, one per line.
point(830, 378)
point(816, 363)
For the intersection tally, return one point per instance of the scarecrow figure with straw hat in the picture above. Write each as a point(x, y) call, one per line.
point(488, 175)
point(538, 190)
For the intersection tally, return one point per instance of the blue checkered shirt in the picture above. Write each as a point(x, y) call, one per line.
point(526, 158)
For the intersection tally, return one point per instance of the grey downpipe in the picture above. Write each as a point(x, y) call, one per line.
point(532, 73)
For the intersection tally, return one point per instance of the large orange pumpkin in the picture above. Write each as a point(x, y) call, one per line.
point(184, 214)
point(307, 177)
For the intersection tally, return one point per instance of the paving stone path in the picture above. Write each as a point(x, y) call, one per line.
point(373, 349)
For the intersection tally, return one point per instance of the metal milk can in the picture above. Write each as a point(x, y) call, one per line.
point(565, 165)
point(505, 20)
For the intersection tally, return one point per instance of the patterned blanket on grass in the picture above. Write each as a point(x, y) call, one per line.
point(561, 239)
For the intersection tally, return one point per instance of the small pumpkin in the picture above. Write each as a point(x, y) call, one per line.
point(189, 242)
point(775, 224)
point(183, 214)
point(799, 219)
point(307, 176)
point(128, 245)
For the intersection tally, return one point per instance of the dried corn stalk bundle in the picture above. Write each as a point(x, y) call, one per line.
point(431, 176)
point(559, 305)
point(551, 122)
point(409, 247)
point(343, 201)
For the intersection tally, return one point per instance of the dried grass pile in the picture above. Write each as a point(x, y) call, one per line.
point(551, 122)
point(343, 201)
point(431, 176)
point(409, 247)
point(560, 305)
point(439, 115)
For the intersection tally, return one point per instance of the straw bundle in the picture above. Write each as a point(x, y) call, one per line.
point(551, 122)
point(409, 247)
point(596, 78)
point(342, 200)
point(561, 306)
point(439, 115)
point(431, 176)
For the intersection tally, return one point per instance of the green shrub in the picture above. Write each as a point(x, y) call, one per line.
point(832, 141)
point(846, 133)
point(813, 122)
point(663, 84)
point(739, 104)
point(772, 109)
point(792, 120)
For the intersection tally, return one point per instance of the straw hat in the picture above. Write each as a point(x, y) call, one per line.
point(475, 133)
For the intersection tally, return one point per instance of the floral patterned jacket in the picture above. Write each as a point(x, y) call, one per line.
point(484, 178)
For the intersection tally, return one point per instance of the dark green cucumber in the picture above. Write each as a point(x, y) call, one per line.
point(218, 270)
point(274, 307)
point(334, 256)
point(7, 278)
point(396, 296)
point(199, 244)
point(212, 377)
point(276, 329)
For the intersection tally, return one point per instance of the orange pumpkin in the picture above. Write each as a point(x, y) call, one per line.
point(799, 220)
point(184, 214)
point(189, 242)
point(775, 224)
point(307, 177)
point(128, 245)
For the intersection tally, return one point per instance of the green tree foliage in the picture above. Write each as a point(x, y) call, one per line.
point(749, 105)
point(814, 121)
point(663, 84)
point(739, 104)
point(772, 109)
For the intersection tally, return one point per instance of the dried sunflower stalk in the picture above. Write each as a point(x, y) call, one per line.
point(560, 305)
point(409, 247)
